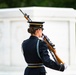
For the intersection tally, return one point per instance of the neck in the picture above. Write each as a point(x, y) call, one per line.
point(35, 35)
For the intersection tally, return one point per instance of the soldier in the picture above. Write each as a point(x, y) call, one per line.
point(35, 52)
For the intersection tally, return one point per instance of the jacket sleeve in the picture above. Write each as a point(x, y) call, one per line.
point(43, 49)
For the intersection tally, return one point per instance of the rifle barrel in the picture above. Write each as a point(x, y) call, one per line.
point(21, 11)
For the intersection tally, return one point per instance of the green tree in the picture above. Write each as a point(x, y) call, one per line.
point(64, 3)
point(43, 3)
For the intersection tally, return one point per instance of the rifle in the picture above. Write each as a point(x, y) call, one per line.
point(26, 16)
point(52, 49)
point(48, 42)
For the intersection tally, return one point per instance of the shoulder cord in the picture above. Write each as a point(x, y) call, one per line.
point(38, 49)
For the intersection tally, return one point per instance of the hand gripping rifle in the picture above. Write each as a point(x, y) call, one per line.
point(48, 42)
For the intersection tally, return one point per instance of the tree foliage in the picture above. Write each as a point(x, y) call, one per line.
point(42, 3)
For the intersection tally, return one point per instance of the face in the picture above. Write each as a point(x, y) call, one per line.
point(39, 32)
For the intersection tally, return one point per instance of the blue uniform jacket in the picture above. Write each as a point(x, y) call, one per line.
point(30, 53)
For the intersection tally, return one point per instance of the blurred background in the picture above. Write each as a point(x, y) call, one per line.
point(41, 3)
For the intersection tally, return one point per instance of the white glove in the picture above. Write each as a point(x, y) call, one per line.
point(65, 66)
